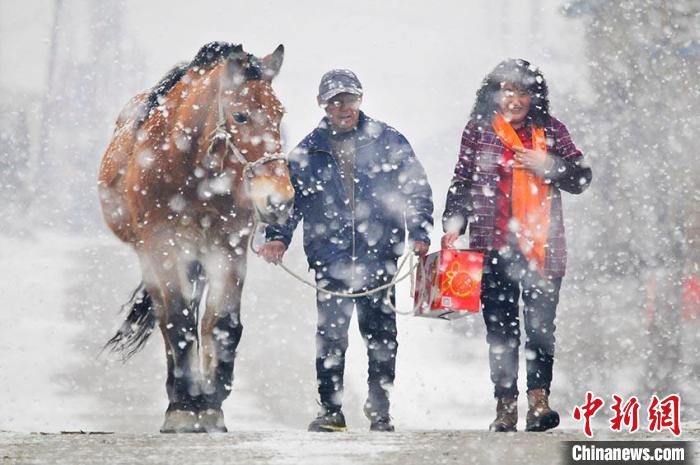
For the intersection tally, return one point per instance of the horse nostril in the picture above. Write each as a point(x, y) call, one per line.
point(272, 204)
point(278, 204)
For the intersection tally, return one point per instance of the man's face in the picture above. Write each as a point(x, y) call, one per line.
point(343, 111)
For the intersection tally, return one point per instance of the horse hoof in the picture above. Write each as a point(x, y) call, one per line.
point(181, 421)
point(212, 420)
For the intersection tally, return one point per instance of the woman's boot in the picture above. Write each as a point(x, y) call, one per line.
point(539, 416)
point(506, 416)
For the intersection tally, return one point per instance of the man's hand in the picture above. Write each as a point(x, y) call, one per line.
point(536, 161)
point(448, 239)
point(421, 248)
point(273, 251)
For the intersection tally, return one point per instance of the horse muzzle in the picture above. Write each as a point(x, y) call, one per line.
point(270, 188)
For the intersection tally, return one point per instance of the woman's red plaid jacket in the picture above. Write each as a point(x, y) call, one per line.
point(471, 199)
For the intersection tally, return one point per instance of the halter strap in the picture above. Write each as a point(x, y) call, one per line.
point(221, 133)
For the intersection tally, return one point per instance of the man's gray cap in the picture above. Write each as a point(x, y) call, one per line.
point(338, 81)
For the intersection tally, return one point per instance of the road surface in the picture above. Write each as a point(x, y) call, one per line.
point(298, 448)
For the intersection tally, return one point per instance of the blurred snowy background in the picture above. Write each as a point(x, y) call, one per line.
point(624, 77)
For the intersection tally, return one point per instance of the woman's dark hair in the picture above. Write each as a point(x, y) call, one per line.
point(523, 75)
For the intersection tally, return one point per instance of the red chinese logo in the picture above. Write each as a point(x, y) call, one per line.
point(588, 411)
point(664, 414)
point(627, 415)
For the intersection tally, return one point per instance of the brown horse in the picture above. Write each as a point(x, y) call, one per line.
point(191, 164)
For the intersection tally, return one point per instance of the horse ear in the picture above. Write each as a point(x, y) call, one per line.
point(272, 63)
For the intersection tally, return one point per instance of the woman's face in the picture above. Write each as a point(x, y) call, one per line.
point(514, 103)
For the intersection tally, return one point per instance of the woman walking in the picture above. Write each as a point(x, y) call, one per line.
point(515, 160)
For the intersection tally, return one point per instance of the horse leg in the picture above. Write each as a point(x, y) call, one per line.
point(178, 324)
point(221, 333)
point(179, 417)
point(176, 421)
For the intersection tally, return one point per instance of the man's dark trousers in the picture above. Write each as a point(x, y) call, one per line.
point(377, 323)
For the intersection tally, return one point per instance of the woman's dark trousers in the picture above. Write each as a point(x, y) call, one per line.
point(506, 277)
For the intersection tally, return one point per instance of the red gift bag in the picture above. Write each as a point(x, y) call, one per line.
point(448, 284)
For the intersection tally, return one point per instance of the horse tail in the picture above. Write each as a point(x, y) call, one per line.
point(137, 327)
point(141, 319)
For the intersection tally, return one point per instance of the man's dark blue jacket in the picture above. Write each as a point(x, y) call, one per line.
point(391, 195)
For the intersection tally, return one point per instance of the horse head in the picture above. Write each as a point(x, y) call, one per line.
point(247, 138)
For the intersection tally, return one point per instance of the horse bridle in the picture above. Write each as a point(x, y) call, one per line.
point(220, 133)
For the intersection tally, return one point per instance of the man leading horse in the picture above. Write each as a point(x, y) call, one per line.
point(359, 187)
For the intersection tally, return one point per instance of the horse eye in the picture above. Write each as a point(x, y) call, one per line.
point(240, 118)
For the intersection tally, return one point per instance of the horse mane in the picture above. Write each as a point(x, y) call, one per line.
point(158, 91)
point(206, 58)
point(213, 52)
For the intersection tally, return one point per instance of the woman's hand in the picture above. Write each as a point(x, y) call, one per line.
point(536, 161)
point(421, 248)
point(448, 239)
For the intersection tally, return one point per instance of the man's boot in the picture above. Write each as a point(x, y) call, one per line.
point(539, 416)
point(506, 416)
point(328, 421)
point(378, 421)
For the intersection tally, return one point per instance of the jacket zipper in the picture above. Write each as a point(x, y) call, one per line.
point(354, 160)
point(352, 209)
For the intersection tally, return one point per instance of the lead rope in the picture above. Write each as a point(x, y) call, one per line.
point(389, 286)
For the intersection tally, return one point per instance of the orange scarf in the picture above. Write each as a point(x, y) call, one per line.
point(532, 199)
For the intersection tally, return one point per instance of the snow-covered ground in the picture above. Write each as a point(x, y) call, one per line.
point(295, 448)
